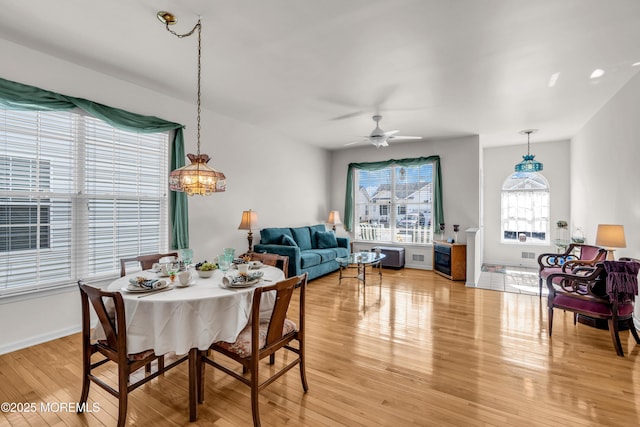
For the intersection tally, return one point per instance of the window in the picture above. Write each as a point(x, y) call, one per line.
point(75, 197)
point(525, 208)
point(394, 204)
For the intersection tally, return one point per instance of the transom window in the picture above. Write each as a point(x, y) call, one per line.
point(525, 209)
point(394, 204)
point(76, 194)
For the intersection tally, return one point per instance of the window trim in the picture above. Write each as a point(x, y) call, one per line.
point(437, 210)
point(545, 189)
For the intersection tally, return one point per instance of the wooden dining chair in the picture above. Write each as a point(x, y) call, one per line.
point(144, 261)
point(262, 338)
point(274, 260)
point(109, 307)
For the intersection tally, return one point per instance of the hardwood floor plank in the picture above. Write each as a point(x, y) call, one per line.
point(419, 350)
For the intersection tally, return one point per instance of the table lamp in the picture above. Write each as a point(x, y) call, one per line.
point(248, 222)
point(610, 236)
point(334, 218)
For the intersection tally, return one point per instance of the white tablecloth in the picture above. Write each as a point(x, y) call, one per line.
point(193, 317)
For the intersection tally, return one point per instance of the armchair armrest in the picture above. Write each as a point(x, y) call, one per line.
point(581, 281)
point(547, 260)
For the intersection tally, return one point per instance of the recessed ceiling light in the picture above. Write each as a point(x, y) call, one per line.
point(597, 73)
point(635, 64)
point(553, 79)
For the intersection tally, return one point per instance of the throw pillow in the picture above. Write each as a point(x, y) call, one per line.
point(288, 241)
point(326, 239)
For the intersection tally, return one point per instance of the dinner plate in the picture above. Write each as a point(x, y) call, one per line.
point(245, 284)
point(139, 289)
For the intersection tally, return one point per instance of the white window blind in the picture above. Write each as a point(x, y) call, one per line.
point(76, 195)
point(394, 204)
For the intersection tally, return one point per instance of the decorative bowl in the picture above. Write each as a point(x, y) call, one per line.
point(205, 274)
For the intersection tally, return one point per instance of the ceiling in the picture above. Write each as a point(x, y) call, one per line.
point(316, 71)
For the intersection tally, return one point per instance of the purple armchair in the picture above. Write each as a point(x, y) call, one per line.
point(606, 291)
point(551, 263)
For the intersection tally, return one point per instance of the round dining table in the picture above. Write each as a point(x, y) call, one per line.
point(186, 319)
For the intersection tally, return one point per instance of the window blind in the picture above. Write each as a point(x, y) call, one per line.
point(76, 194)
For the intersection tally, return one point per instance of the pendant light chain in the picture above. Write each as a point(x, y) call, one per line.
point(198, 27)
point(198, 178)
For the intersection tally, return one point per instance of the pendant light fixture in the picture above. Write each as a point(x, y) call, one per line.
point(528, 163)
point(198, 177)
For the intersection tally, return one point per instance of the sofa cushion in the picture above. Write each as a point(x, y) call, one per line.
point(313, 230)
point(326, 255)
point(309, 259)
point(325, 239)
point(288, 241)
point(273, 236)
point(341, 252)
point(302, 236)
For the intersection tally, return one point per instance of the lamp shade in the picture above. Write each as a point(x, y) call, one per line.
point(334, 218)
point(249, 220)
point(611, 236)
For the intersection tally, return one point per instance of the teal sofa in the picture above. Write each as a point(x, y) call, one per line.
point(310, 249)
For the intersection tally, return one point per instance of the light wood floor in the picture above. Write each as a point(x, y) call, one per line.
point(420, 350)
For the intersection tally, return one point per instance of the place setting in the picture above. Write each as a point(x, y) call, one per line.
point(242, 279)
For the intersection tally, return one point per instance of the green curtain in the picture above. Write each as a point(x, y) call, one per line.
point(438, 212)
point(17, 96)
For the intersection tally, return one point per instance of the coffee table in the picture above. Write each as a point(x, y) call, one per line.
point(360, 261)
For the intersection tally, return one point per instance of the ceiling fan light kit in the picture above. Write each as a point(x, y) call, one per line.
point(379, 138)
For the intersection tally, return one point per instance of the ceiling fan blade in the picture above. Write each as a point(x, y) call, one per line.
point(348, 115)
point(404, 137)
point(356, 142)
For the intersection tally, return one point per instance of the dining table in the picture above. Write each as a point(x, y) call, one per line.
point(188, 319)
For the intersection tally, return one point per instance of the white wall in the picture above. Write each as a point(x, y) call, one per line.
point(605, 172)
point(284, 182)
point(459, 159)
point(498, 165)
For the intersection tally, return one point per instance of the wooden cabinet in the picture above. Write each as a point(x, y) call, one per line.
point(450, 260)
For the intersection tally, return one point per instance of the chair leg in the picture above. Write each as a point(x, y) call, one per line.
point(272, 358)
point(550, 317)
point(160, 363)
point(575, 318)
point(86, 382)
point(303, 375)
point(540, 286)
point(255, 403)
point(633, 330)
point(122, 404)
point(615, 337)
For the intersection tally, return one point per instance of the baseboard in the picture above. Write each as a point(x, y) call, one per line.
point(19, 345)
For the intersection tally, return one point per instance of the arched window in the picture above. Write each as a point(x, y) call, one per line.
point(525, 208)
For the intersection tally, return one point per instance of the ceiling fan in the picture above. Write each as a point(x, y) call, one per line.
point(380, 138)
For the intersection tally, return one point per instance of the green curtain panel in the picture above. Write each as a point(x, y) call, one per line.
point(17, 96)
point(438, 212)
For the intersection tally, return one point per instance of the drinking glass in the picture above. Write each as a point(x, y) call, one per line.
point(186, 255)
point(224, 262)
point(230, 252)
